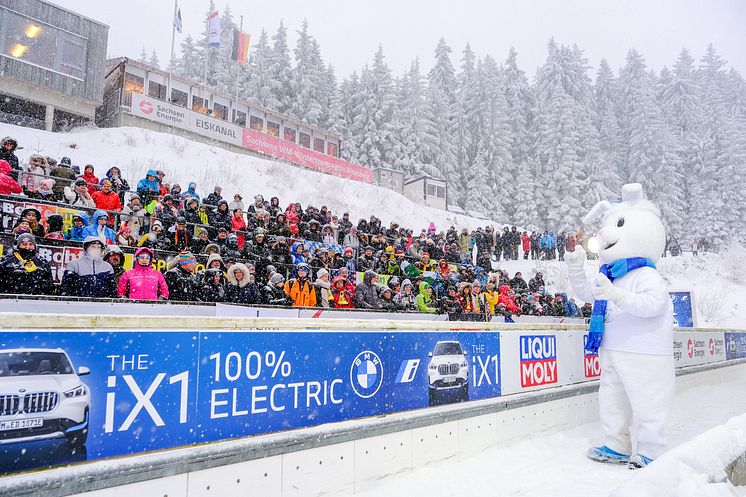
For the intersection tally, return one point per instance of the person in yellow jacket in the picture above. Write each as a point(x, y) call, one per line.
point(491, 296)
point(300, 288)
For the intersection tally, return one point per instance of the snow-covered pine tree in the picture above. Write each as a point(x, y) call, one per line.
point(307, 78)
point(520, 107)
point(281, 69)
point(607, 128)
point(143, 56)
point(478, 189)
point(153, 59)
point(525, 215)
point(350, 98)
point(260, 87)
point(680, 101)
point(466, 119)
point(189, 63)
point(413, 122)
point(492, 125)
point(441, 97)
point(715, 179)
point(647, 143)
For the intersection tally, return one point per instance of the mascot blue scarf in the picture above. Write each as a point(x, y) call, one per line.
point(616, 269)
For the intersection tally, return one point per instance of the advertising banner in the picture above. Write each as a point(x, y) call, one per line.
point(691, 348)
point(183, 118)
point(735, 345)
point(683, 313)
point(282, 149)
point(76, 396)
point(11, 210)
point(217, 129)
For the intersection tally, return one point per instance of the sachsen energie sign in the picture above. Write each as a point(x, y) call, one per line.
point(216, 129)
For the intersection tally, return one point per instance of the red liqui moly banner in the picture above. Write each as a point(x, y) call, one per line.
point(281, 149)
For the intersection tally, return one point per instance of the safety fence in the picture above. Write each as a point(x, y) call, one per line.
point(94, 387)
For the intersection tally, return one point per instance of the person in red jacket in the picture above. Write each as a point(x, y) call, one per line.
point(507, 298)
point(90, 179)
point(525, 244)
point(106, 199)
point(8, 185)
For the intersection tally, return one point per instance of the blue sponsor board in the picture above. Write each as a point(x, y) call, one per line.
point(682, 309)
point(735, 345)
point(76, 396)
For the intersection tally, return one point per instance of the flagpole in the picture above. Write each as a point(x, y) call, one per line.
point(238, 69)
point(173, 40)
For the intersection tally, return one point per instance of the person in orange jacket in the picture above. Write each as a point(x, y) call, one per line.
point(300, 288)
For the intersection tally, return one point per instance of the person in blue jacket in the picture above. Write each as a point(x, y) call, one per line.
point(76, 232)
point(149, 187)
point(100, 229)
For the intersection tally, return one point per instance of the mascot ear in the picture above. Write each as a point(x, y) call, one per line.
point(597, 211)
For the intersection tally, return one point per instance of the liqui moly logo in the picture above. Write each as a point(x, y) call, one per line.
point(591, 366)
point(538, 360)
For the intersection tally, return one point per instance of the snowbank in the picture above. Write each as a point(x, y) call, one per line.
point(135, 150)
point(693, 469)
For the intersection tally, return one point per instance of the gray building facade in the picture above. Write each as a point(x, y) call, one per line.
point(52, 63)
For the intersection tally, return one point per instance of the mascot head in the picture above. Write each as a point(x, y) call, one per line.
point(630, 228)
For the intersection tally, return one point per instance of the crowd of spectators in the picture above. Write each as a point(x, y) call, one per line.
point(261, 253)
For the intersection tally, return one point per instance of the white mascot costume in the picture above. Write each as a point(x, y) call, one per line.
point(632, 323)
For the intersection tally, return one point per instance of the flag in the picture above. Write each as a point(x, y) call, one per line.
point(177, 18)
point(241, 42)
point(213, 29)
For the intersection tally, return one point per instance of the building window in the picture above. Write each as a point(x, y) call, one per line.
point(180, 98)
point(40, 44)
point(220, 111)
point(273, 128)
point(430, 189)
point(256, 123)
point(199, 104)
point(133, 83)
point(289, 134)
point(239, 117)
point(156, 90)
point(332, 149)
point(305, 140)
point(441, 192)
point(318, 145)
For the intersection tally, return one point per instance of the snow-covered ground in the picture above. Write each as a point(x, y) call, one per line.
point(555, 465)
point(135, 150)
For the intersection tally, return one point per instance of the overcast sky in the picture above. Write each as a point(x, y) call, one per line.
point(350, 31)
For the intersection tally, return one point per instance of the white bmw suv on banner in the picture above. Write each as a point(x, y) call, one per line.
point(42, 397)
point(448, 371)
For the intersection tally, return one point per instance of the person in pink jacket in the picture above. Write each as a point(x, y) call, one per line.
point(142, 282)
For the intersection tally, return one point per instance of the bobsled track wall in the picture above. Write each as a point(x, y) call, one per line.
point(339, 454)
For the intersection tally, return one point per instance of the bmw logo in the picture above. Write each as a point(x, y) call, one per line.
point(366, 374)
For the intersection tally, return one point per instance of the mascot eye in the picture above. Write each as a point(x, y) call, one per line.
point(620, 223)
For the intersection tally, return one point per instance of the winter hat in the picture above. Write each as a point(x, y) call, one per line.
point(321, 273)
point(80, 182)
point(45, 186)
point(26, 237)
point(90, 240)
point(65, 161)
point(348, 250)
point(185, 258)
point(276, 278)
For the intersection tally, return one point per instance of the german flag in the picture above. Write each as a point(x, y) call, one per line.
point(241, 42)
